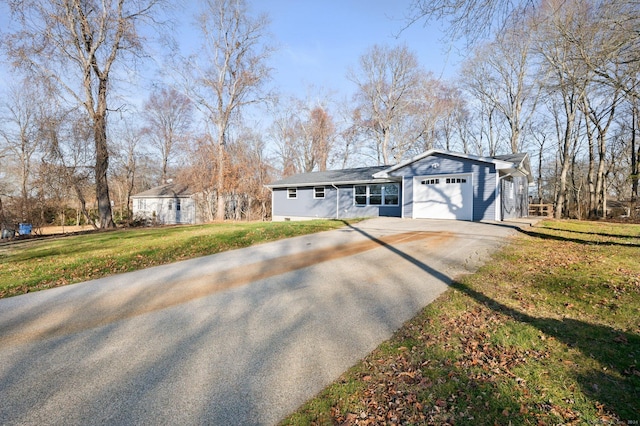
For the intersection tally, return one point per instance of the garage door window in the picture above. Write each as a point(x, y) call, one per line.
point(430, 182)
point(376, 195)
point(456, 180)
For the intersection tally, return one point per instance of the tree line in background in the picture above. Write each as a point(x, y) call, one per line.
point(557, 79)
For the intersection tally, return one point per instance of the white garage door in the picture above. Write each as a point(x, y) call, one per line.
point(443, 197)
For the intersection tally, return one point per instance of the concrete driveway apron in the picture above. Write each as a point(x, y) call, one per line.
point(238, 338)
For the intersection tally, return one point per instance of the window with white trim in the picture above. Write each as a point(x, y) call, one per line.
point(376, 194)
point(318, 192)
point(360, 193)
point(292, 193)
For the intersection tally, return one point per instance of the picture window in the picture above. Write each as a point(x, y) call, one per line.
point(376, 195)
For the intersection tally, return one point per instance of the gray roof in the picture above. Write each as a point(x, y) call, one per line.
point(169, 190)
point(519, 161)
point(512, 158)
point(361, 174)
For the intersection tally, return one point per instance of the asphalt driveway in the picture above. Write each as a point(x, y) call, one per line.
point(238, 338)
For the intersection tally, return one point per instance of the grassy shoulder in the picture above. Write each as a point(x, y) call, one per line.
point(32, 265)
point(548, 333)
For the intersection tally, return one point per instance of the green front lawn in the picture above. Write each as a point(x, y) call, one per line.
point(32, 265)
point(548, 333)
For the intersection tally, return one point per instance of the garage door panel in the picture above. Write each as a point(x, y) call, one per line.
point(443, 197)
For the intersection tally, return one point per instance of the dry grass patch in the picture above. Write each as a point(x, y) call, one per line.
point(546, 334)
point(32, 265)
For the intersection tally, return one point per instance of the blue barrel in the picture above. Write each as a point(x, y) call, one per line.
point(24, 228)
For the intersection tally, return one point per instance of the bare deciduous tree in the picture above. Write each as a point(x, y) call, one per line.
point(304, 136)
point(322, 132)
point(21, 135)
point(387, 80)
point(471, 19)
point(499, 76)
point(76, 44)
point(168, 116)
point(227, 74)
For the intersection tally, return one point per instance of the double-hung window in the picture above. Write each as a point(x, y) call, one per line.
point(292, 193)
point(376, 195)
point(318, 192)
point(360, 192)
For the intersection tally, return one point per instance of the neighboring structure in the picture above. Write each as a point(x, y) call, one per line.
point(168, 204)
point(435, 185)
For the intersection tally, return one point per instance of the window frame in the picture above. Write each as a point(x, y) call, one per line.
point(382, 195)
point(316, 195)
point(357, 195)
point(292, 193)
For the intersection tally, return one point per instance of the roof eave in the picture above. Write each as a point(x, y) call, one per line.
point(330, 183)
point(500, 164)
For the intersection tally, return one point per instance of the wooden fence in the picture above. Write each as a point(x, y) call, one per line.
point(541, 210)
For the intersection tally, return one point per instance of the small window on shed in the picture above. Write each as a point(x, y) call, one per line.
point(170, 204)
point(318, 192)
point(178, 204)
point(292, 193)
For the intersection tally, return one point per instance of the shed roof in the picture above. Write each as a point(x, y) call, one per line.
point(169, 190)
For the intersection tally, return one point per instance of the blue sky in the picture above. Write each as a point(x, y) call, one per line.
point(320, 40)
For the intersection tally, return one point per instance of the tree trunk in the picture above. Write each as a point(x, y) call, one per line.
point(83, 205)
point(102, 158)
point(591, 180)
point(220, 208)
point(3, 221)
point(561, 197)
point(634, 156)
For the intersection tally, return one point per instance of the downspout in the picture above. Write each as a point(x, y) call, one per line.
point(337, 201)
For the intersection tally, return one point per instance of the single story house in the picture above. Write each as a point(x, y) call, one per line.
point(169, 204)
point(433, 185)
